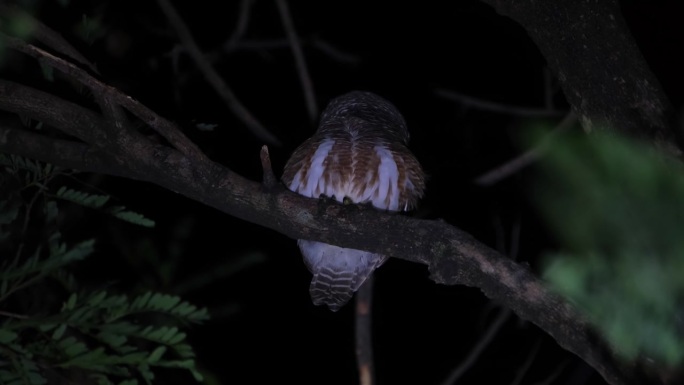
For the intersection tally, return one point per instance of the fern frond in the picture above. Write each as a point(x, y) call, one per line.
point(131, 216)
point(82, 198)
point(163, 303)
point(95, 201)
point(60, 257)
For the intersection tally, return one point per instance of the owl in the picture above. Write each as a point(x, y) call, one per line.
point(357, 155)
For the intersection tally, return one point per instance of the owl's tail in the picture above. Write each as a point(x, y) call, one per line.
point(337, 272)
point(333, 288)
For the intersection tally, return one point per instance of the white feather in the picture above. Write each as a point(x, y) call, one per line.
point(314, 183)
point(388, 181)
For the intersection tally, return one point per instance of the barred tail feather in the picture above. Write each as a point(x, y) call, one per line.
point(331, 288)
point(337, 272)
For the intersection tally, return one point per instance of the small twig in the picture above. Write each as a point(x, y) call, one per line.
point(364, 335)
point(261, 44)
point(269, 180)
point(323, 46)
point(56, 42)
point(481, 104)
point(302, 71)
point(334, 52)
point(475, 352)
point(499, 235)
point(47, 36)
point(241, 25)
point(12, 315)
point(164, 127)
point(554, 375)
point(212, 77)
point(548, 88)
point(515, 239)
point(24, 227)
point(525, 159)
point(522, 370)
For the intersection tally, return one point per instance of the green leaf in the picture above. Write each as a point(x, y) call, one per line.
point(617, 207)
point(112, 339)
point(7, 336)
point(59, 332)
point(78, 252)
point(141, 301)
point(21, 26)
point(135, 218)
point(97, 298)
point(71, 302)
point(72, 347)
point(90, 29)
point(46, 327)
point(146, 373)
point(51, 211)
point(82, 198)
point(156, 354)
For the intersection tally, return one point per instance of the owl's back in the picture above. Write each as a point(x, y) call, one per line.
point(358, 154)
point(356, 165)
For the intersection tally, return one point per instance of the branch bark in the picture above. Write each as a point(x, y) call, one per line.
point(453, 256)
point(589, 48)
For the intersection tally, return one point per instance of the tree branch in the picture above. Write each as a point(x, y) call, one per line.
point(603, 75)
point(165, 128)
point(363, 330)
point(46, 35)
point(213, 78)
point(453, 256)
point(302, 71)
point(525, 159)
point(486, 105)
point(65, 153)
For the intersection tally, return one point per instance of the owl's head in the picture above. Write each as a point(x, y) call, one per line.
point(362, 112)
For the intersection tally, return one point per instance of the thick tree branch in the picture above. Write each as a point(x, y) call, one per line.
point(604, 76)
point(75, 120)
point(165, 128)
point(453, 256)
point(65, 153)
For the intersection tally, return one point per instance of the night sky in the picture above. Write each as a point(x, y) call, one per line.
point(265, 328)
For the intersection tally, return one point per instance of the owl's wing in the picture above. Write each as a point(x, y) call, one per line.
point(337, 272)
point(363, 170)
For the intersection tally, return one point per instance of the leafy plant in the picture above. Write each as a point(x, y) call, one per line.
point(618, 208)
point(98, 201)
point(95, 336)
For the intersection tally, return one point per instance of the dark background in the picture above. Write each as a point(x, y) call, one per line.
point(265, 328)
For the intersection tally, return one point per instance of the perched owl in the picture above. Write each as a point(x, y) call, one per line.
point(358, 155)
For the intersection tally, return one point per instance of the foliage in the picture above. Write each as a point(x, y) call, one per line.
point(95, 336)
point(618, 207)
point(98, 201)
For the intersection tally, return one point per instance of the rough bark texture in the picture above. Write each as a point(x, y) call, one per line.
point(604, 76)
